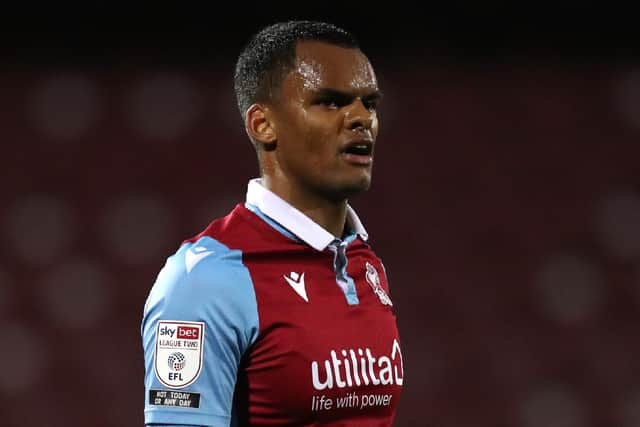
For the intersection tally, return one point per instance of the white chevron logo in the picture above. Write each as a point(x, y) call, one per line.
point(194, 256)
point(296, 281)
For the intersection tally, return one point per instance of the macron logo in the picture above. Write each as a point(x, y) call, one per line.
point(296, 281)
point(195, 255)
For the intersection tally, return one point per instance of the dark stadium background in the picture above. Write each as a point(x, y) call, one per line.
point(505, 200)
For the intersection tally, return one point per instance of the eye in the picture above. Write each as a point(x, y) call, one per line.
point(332, 102)
point(370, 104)
point(329, 103)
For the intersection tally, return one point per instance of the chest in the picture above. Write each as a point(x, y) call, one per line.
point(328, 347)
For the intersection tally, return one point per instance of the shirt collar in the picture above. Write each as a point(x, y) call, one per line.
point(295, 221)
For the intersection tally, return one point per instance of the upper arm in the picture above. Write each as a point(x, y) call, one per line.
point(199, 319)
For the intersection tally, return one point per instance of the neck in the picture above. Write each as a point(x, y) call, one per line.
point(330, 215)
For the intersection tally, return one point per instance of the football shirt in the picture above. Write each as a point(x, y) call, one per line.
point(265, 318)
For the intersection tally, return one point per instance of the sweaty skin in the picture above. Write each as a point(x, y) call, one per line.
point(310, 71)
point(309, 167)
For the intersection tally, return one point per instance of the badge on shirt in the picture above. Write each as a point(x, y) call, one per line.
point(179, 350)
point(374, 281)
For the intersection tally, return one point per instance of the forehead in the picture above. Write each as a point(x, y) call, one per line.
point(322, 65)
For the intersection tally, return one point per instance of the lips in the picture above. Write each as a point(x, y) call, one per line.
point(358, 152)
point(360, 148)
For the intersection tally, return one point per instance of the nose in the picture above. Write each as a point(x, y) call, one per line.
point(359, 117)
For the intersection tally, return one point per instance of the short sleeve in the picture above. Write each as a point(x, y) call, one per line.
point(199, 319)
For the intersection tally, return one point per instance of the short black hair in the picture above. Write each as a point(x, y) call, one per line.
point(270, 55)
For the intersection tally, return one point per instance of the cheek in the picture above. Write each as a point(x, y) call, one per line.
point(321, 134)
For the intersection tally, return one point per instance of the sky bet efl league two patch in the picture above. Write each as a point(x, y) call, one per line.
point(179, 350)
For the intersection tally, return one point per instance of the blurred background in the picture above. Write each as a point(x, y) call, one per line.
point(505, 200)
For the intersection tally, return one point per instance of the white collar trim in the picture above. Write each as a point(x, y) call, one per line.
point(295, 221)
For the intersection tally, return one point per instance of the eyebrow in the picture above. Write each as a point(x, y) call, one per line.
point(334, 93)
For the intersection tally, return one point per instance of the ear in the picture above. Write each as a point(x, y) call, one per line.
point(260, 128)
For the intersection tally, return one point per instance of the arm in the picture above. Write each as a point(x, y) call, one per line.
point(199, 319)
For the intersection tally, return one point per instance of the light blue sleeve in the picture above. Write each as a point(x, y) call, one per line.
point(203, 284)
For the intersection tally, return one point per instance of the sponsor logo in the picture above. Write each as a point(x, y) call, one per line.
point(374, 281)
point(358, 366)
point(188, 332)
point(179, 351)
point(166, 331)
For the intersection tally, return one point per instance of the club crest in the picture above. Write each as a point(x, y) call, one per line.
point(374, 281)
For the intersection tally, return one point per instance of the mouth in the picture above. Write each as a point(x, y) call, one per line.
point(358, 152)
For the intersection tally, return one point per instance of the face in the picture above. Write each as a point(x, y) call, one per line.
point(325, 121)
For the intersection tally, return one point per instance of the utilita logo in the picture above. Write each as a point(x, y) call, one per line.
point(358, 366)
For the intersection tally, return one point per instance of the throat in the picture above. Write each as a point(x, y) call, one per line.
point(327, 213)
point(331, 218)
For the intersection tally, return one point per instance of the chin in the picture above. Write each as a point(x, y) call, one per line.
point(346, 190)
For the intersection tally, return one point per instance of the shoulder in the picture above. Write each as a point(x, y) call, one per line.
point(200, 273)
point(231, 229)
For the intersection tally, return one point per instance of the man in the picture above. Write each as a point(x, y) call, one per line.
point(279, 313)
